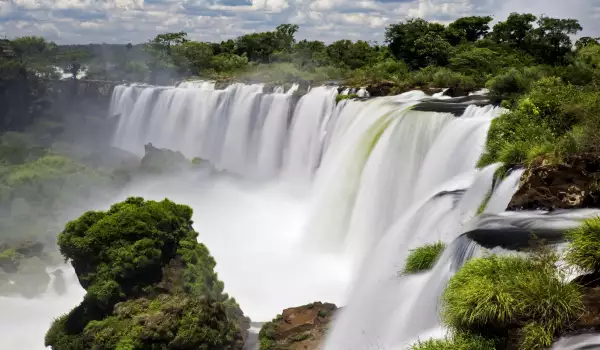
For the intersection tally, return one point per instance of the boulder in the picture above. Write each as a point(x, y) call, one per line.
point(571, 184)
point(162, 160)
point(298, 328)
point(383, 88)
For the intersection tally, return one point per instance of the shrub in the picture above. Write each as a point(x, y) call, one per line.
point(584, 245)
point(514, 82)
point(423, 258)
point(459, 341)
point(475, 61)
point(491, 295)
point(541, 123)
point(445, 78)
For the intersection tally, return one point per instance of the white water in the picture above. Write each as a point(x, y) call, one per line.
point(24, 322)
point(369, 180)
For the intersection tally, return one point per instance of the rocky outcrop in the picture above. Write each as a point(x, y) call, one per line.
point(572, 184)
point(149, 283)
point(298, 328)
point(162, 160)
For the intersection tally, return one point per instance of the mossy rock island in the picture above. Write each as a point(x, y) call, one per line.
point(149, 283)
point(298, 328)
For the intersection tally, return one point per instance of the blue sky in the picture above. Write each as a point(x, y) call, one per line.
point(122, 21)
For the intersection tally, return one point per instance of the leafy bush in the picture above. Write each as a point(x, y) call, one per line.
point(440, 77)
point(584, 245)
point(491, 295)
point(423, 258)
point(387, 70)
point(543, 122)
point(512, 83)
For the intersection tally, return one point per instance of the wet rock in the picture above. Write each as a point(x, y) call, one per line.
point(31, 279)
point(575, 183)
point(162, 160)
point(59, 284)
point(30, 248)
point(383, 88)
point(298, 328)
point(457, 91)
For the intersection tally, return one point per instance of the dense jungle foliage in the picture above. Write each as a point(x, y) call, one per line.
point(149, 283)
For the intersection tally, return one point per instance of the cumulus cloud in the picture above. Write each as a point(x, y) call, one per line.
point(122, 21)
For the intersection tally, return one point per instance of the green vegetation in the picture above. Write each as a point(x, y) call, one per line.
point(148, 281)
point(490, 297)
point(268, 334)
point(458, 341)
point(339, 98)
point(584, 246)
point(423, 258)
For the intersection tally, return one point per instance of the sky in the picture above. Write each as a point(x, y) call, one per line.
point(136, 21)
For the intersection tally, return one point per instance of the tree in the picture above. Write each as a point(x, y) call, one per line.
point(402, 41)
point(586, 41)
point(551, 41)
point(257, 47)
point(310, 54)
point(432, 49)
point(472, 28)
point(515, 30)
point(72, 60)
point(351, 55)
point(165, 41)
point(35, 54)
point(285, 33)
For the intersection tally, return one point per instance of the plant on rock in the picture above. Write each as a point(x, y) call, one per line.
point(149, 283)
point(458, 341)
point(423, 258)
point(584, 246)
point(493, 295)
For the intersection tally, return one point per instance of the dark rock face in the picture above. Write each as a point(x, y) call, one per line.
point(162, 160)
point(298, 328)
point(456, 91)
point(383, 88)
point(571, 185)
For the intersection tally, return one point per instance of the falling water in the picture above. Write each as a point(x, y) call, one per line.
point(377, 179)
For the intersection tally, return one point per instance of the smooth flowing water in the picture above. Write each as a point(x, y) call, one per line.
point(305, 200)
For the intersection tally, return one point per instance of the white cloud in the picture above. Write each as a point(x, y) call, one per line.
point(122, 21)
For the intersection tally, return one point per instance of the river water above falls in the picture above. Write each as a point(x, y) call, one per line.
point(308, 200)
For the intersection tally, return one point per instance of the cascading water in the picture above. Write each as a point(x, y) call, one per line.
point(239, 129)
point(380, 168)
point(377, 179)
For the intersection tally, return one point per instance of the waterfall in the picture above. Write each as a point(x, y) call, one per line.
point(239, 129)
point(379, 177)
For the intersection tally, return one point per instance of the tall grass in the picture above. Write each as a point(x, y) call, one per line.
point(423, 258)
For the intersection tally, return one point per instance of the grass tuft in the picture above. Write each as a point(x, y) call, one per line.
point(423, 258)
point(584, 245)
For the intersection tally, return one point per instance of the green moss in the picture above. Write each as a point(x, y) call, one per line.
point(584, 245)
point(423, 258)
point(300, 337)
point(323, 313)
point(127, 258)
point(339, 98)
point(491, 295)
point(484, 202)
